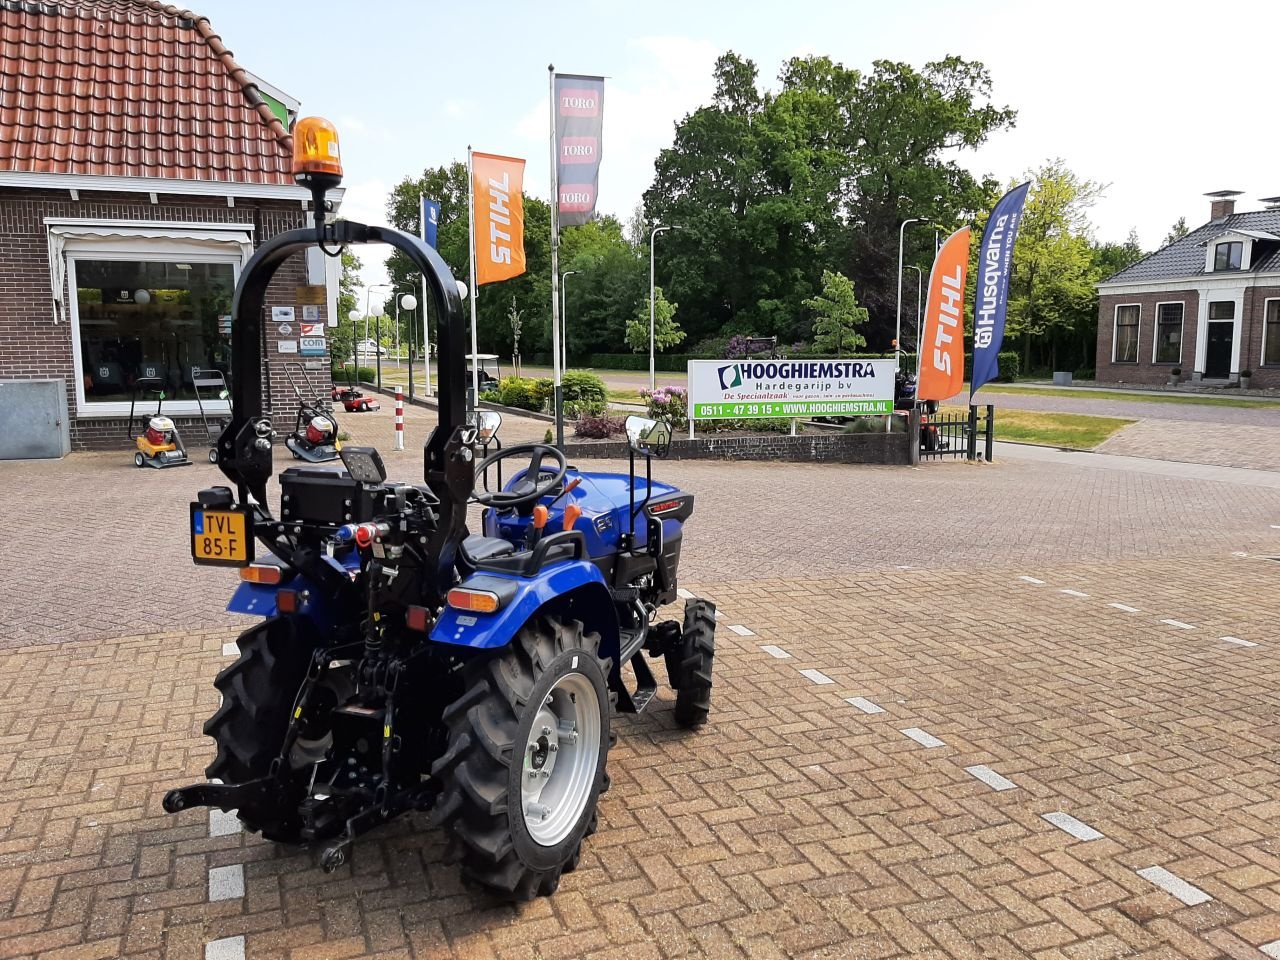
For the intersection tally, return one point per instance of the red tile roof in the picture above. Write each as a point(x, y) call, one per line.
point(130, 88)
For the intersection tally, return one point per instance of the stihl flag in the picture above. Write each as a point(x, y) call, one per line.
point(498, 208)
point(942, 342)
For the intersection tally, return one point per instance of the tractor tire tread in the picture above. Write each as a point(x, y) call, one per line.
point(697, 656)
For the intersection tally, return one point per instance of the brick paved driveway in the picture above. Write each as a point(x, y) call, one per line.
point(1069, 641)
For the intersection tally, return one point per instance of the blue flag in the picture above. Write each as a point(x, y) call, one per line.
point(991, 298)
point(430, 221)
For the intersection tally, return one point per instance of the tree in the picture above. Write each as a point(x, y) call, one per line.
point(835, 328)
point(770, 189)
point(666, 332)
point(342, 338)
point(1176, 232)
point(515, 319)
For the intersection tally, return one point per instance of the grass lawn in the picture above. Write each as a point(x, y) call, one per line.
point(1090, 393)
point(1074, 430)
point(625, 396)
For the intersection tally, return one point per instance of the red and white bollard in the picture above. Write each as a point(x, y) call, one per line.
point(399, 418)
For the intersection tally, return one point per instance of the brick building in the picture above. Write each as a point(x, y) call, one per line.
point(1208, 304)
point(140, 166)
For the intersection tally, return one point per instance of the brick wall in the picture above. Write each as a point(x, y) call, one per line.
point(1144, 371)
point(1255, 303)
point(33, 346)
point(881, 448)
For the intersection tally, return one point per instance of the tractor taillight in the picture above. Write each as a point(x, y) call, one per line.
point(477, 601)
point(417, 618)
point(290, 601)
point(265, 573)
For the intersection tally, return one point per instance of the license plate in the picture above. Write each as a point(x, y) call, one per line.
point(221, 537)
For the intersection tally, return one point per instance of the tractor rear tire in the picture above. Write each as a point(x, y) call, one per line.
point(258, 691)
point(696, 655)
point(492, 773)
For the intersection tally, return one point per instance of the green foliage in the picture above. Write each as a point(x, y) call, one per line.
point(342, 372)
point(548, 437)
point(835, 328)
point(666, 332)
point(668, 403)
point(575, 409)
point(521, 392)
point(580, 385)
point(1176, 232)
point(1010, 366)
point(763, 425)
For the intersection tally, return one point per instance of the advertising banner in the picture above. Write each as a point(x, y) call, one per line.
point(749, 389)
point(430, 221)
point(311, 339)
point(991, 299)
point(498, 207)
point(942, 342)
point(579, 119)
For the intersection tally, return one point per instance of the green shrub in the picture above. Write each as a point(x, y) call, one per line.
point(764, 425)
point(520, 392)
point(367, 374)
point(576, 409)
point(581, 385)
point(1085, 373)
point(668, 403)
point(1010, 365)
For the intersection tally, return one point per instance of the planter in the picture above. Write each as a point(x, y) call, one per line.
point(1244, 382)
point(1174, 379)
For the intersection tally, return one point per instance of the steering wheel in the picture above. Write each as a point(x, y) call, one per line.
point(525, 491)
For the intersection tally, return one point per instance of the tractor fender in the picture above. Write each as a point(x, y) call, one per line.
point(575, 588)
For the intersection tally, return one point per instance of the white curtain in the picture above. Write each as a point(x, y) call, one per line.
point(59, 234)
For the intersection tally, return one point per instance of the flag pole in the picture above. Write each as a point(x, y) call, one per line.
point(471, 243)
point(426, 339)
point(558, 395)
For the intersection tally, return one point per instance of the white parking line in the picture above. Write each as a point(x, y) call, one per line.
point(1073, 593)
point(1275, 526)
point(1031, 580)
point(926, 740)
point(1175, 886)
point(740, 630)
point(222, 824)
point(817, 676)
point(776, 652)
point(228, 948)
point(1179, 624)
point(1238, 641)
point(990, 777)
point(1125, 607)
point(684, 594)
point(226, 883)
point(863, 704)
point(1271, 949)
point(1069, 824)
point(230, 649)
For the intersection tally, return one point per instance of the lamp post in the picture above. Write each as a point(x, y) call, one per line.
point(897, 345)
point(919, 295)
point(410, 303)
point(564, 320)
point(368, 294)
point(652, 237)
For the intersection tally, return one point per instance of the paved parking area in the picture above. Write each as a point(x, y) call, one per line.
point(1018, 710)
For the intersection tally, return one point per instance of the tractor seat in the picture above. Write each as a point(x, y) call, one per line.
point(478, 548)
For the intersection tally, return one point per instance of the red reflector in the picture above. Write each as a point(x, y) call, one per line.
point(417, 618)
point(288, 601)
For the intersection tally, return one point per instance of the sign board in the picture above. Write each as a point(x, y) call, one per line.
point(751, 389)
point(311, 340)
point(310, 313)
point(282, 314)
point(314, 295)
point(287, 346)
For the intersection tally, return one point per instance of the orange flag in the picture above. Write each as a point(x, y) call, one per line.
point(942, 341)
point(496, 184)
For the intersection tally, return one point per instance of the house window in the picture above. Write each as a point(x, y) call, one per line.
point(1169, 333)
point(1226, 256)
point(1126, 336)
point(150, 319)
point(1222, 310)
point(1271, 334)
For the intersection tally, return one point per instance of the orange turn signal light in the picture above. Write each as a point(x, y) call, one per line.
point(264, 573)
point(315, 147)
point(477, 601)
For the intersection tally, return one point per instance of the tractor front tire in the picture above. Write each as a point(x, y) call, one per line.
point(258, 691)
point(693, 663)
point(525, 762)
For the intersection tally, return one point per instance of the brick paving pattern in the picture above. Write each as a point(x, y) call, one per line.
point(794, 824)
point(1225, 445)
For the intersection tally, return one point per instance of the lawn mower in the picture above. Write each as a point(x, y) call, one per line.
point(404, 663)
point(158, 441)
point(353, 399)
point(315, 429)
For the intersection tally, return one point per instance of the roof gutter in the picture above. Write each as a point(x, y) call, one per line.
point(230, 190)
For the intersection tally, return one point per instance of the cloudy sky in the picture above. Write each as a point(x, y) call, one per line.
point(1162, 101)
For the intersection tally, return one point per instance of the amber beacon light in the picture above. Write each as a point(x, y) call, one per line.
point(315, 151)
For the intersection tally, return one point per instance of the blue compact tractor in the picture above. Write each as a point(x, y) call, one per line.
point(404, 663)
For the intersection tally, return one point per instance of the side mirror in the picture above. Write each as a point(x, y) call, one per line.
point(487, 424)
point(649, 437)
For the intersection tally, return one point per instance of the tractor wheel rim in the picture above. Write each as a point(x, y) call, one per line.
point(560, 760)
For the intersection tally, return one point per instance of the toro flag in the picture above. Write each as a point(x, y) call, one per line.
point(991, 299)
point(579, 116)
point(498, 207)
point(430, 221)
point(942, 342)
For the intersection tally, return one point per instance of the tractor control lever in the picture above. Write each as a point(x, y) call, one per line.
point(571, 514)
point(540, 517)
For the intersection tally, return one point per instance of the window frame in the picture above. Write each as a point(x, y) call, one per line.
point(1266, 306)
point(150, 250)
point(1182, 331)
point(1228, 243)
point(1210, 318)
point(1115, 327)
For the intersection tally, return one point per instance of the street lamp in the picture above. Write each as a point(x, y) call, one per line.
point(652, 237)
point(564, 321)
point(378, 329)
point(410, 303)
point(919, 296)
point(897, 346)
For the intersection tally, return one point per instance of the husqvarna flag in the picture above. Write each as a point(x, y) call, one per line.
point(942, 342)
point(579, 116)
point(430, 221)
point(496, 184)
point(991, 300)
